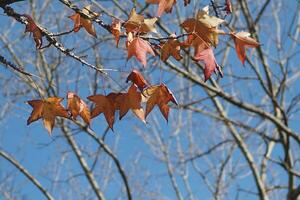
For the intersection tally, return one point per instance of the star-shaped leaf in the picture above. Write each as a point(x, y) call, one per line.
point(139, 48)
point(159, 95)
point(106, 105)
point(171, 48)
point(47, 109)
point(131, 100)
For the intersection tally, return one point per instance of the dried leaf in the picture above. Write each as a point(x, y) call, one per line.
point(131, 100)
point(241, 41)
point(34, 29)
point(137, 78)
point(204, 26)
point(105, 105)
point(159, 95)
point(80, 21)
point(77, 106)
point(47, 109)
point(116, 30)
point(171, 48)
point(138, 24)
point(139, 48)
point(163, 5)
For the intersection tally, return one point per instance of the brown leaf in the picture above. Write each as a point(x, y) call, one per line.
point(137, 78)
point(171, 48)
point(105, 105)
point(34, 29)
point(131, 100)
point(241, 41)
point(139, 48)
point(163, 5)
point(116, 30)
point(78, 107)
point(47, 109)
point(87, 24)
point(159, 95)
point(138, 24)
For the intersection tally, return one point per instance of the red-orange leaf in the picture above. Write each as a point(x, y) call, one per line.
point(241, 41)
point(139, 48)
point(78, 107)
point(47, 109)
point(105, 105)
point(171, 48)
point(208, 58)
point(163, 5)
point(137, 78)
point(131, 100)
point(159, 95)
point(34, 29)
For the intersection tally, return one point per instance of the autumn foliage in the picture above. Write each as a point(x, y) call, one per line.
point(202, 34)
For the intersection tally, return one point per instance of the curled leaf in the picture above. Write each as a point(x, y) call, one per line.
point(78, 107)
point(137, 78)
point(116, 30)
point(171, 48)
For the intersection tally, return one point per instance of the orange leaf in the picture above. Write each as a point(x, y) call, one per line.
point(241, 41)
point(34, 29)
point(116, 30)
point(105, 105)
point(80, 21)
point(171, 48)
point(163, 5)
point(131, 100)
point(78, 107)
point(47, 109)
point(137, 78)
point(159, 95)
point(139, 48)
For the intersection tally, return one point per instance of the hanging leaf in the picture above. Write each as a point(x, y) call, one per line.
point(159, 95)
point(106, 105)
point(138, 24)
point(137, 78)
point(77, 106)
point(163, 5)
point(47, 109)
point(171, 48)
point(208, 58)
point(241, 41)
point(139, 48)
point(116, 30)
point(80, 21)
point(35, 30)
point(131, 100)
